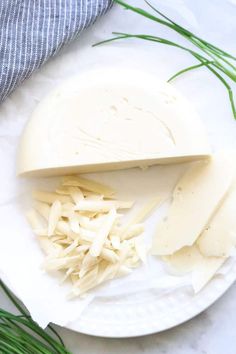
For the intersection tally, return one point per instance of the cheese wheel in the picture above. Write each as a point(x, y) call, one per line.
point(110, 119)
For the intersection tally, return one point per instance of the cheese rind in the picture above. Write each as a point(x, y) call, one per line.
point(104, 120)
point(196, 197)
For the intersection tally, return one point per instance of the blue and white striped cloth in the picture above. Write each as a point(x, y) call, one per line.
point(31, 31)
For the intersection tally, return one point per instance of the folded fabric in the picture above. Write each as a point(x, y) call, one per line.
point(32, 31)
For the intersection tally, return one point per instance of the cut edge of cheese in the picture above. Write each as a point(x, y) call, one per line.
point(109, 166)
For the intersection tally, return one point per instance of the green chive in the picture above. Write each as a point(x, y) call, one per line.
point(19, 334)
point(219, 62)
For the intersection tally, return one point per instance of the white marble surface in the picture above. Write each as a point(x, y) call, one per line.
point(213, 332)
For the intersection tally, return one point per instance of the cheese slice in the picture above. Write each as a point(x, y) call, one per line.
point(110, 119)
point(196, 197)
point(219, 237)
point(189, 259)
point(184, 260)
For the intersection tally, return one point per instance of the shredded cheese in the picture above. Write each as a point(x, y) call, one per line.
point(88, 185)
point(78, 228)
point(54, 216)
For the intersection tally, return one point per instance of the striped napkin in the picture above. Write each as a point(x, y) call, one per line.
point(32, 31)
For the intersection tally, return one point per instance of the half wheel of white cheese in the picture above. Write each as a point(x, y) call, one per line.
point(110, 119)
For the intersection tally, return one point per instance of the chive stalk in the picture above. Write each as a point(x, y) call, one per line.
point(219, 62)
point(19, 334)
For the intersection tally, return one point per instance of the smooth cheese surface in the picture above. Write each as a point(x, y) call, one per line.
point(184, 260)
point(190, 259)
point(109, 120)
point(196, 198)
point(219, 237)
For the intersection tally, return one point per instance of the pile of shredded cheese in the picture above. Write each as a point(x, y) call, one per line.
point(79, 228)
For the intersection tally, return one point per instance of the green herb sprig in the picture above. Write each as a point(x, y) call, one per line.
point(217, 61)
point(19, 334)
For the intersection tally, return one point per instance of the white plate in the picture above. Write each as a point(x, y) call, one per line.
point(126, 315)
point(149, 312)
point(146, 313)
point(149, 309)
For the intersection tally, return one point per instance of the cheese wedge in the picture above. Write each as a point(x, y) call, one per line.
point(110, 119)
point(219, 237)
point(196, 197)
